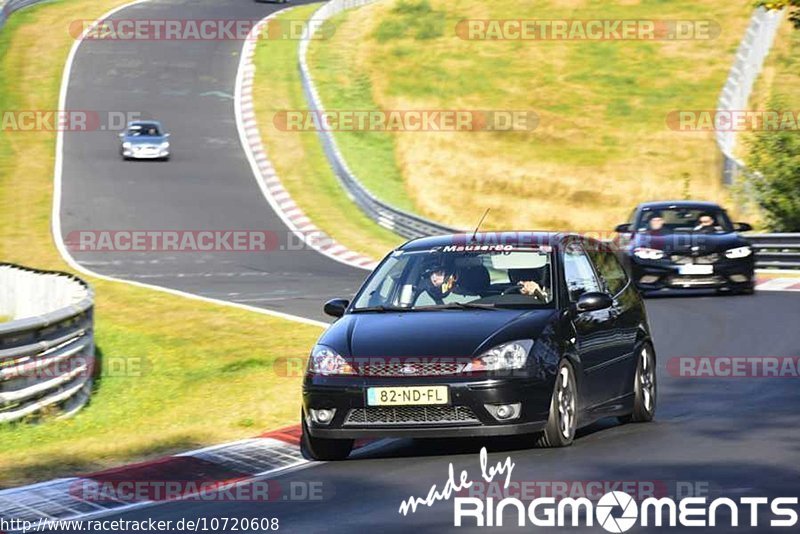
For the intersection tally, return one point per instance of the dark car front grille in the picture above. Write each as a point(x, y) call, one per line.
point(705, 259)
point(408, 415)
point(409, 369)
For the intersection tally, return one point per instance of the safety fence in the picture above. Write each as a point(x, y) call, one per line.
point(9, 6)
point(401, 222)
point(776, 251)
point(47, 357)
point(735, 94)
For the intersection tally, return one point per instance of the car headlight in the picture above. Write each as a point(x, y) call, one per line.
point(648, 253)
point(164, 145)
point(511, 355)
point(738, 252)
point(326, 361)
point(126, 145)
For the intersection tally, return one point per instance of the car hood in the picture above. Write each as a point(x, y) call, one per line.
point(689, 243)
point(432, 334)
point(138, 140)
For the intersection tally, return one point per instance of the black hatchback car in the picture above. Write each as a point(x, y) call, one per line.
point(481, 335)
point(687, 245)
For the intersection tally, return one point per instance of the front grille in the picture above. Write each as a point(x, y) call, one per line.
point(407, 415)
point(705, 259)
point(686, 281)
point(409, 369)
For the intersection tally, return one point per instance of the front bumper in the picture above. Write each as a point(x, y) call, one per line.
point(138, 154)
point(656, 275)
point(465, 415)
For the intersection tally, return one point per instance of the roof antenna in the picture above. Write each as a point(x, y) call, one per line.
point(485, 213)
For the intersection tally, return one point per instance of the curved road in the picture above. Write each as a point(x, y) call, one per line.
point(208, 183)
point(736, 437)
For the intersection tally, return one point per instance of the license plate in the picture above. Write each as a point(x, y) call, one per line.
point(696, 269)
point(406, 396)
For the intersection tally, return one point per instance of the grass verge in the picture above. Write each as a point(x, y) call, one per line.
point(172, 382)
point(602, 143)
point(298, 156)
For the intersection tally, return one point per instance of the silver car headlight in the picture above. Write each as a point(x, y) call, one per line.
point(511, 355)
point(648, 253)
point(126, 145)
point(326, 361)
point(738, 252)
point(164, 145)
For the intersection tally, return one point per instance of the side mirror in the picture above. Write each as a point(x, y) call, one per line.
point(336, 307)
point(622, 228)
point(742, 227)
point(593, 301)
point(121, 135)
point(166, 135)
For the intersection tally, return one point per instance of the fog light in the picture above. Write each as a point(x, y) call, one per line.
point(738, 278)
point(648, 279)
point(504, 412)
point(322, 417)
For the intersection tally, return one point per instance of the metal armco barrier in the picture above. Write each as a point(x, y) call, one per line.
point(402, 223)
point(776, 251)
point(9, 6)
point(47, 356)
point(735, 94)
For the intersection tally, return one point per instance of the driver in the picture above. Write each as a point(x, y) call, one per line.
point(655, 225)
point(705, 224)
point(525, 283)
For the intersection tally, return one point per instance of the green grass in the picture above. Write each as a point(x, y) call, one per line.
point(198, 374)
point(602, 143)
point(298, 156)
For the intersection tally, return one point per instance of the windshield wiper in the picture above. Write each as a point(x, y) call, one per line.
point(457, 306)
point(381, 309)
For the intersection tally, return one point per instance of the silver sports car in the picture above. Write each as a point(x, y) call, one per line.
point(144, 140)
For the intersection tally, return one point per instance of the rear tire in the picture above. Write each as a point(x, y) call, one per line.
point(323, 449)
point(645, 388)
point(562, 422)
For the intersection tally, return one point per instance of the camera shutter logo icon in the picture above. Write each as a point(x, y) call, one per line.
point(616, 500)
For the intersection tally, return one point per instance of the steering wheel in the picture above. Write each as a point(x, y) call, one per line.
point(513, 290)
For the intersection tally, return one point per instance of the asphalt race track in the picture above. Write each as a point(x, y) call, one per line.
point(208, 183)
point(737, 437)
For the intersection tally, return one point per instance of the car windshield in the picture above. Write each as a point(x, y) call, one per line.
point(673, 220)
point(144, 130)
point(441, 279)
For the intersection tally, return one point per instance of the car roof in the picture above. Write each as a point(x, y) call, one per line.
point(521, 238)
point(665, 204)
point(142, 123)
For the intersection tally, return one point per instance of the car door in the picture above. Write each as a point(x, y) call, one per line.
point(594, 336)
point(625, 319)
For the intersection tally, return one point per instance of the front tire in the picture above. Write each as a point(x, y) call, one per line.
point(645, 387)
point(562, 423)
point(323, 449)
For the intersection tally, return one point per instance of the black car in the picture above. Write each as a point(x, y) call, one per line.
point(481, 335)
point(687, 245)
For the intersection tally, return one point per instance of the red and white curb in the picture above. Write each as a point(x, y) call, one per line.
point(778, 284)
point(265, 174)
point(212, 470)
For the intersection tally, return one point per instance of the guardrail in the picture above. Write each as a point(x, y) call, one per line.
point(735, 94)
point(47, 356)
point(401, 222)
point(9, 6)
point(776, 251)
